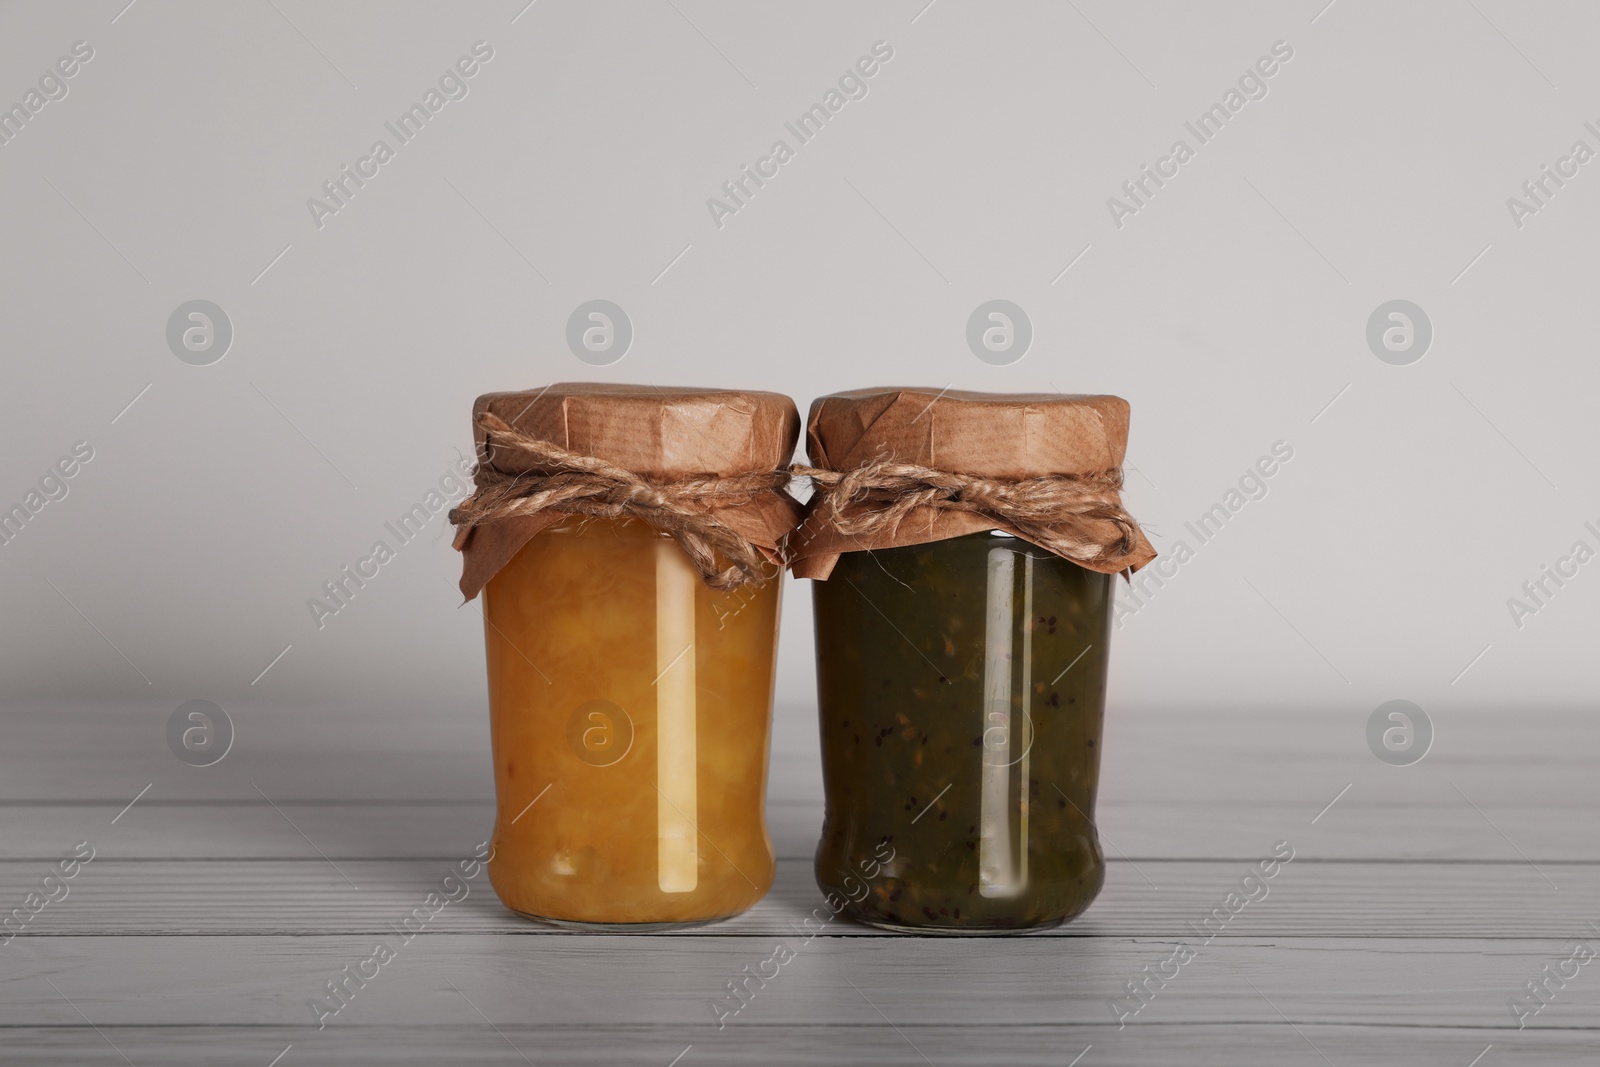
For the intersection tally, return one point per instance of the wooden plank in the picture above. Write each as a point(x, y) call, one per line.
point(469, 1043)
point(1307, 898)
point(1201, 786)
point(1359, 826)
point(621, 980)
point(65, 750)
point(1230, 758)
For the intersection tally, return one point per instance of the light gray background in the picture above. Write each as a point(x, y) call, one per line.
point(1230, 311)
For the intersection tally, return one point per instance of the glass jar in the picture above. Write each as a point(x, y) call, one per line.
point(963, 546)
point(629, 541)
point(962, 686)
point(630, 709)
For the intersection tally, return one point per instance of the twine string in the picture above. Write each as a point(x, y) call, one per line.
point(1078, 516)
point(587, 485)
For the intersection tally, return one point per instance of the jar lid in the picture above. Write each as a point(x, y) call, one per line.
point(661, 433)
point(992, 435)
point(1006, 437)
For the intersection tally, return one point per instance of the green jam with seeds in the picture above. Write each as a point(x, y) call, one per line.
point(961, 686)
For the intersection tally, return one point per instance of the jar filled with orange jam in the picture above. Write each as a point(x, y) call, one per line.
point(628, 543)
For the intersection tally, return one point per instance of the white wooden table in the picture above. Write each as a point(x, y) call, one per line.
point(222, 900)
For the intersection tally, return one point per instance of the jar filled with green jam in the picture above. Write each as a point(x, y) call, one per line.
point(966, 546)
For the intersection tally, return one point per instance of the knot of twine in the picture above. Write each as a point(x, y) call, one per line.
point(586, 485)
point(1077, 516)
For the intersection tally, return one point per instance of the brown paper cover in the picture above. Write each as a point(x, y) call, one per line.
point(660, 432)
point(988, 435)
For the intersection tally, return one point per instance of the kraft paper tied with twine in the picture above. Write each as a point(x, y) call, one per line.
point(706, 465)
point(921, 465)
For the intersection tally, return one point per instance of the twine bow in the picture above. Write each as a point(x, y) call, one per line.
point(586, 485)
point(1077, 516)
